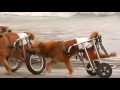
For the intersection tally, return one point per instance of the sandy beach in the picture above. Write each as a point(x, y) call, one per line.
point(48, 28)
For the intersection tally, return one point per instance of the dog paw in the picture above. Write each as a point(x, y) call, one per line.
point(8, 73)
point(44, 71)
point(113, 54)
point(68, 76)
point(47, 71)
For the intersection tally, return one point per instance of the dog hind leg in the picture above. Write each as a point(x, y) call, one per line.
point(103, 55)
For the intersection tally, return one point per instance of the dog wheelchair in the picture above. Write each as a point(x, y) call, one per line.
point(94, 67)
point(34, 63)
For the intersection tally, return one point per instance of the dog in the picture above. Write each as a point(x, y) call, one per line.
point(57, 51)
point(7, 47)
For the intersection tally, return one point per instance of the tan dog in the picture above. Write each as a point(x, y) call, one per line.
point(56, 50)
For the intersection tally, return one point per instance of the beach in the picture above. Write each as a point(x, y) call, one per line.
point(66, 28)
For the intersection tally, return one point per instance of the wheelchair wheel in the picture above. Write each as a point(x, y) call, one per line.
point(104, 70)
point(35, 64)
point(14, 64)
point(90, 71)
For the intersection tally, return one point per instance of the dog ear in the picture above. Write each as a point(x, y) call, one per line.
point(2, 29)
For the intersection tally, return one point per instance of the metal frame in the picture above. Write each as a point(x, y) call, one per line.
point(97, 42)
point(21, 40)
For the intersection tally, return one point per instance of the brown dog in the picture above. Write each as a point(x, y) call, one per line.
point(7, 48)
point(56, 50)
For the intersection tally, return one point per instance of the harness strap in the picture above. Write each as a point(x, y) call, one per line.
point(65, 50)
point(28, 41)
point(9, 44)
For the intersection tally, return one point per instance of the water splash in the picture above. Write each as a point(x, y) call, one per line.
point(55, 14)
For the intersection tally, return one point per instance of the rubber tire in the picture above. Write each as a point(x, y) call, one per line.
point(17, 66)
point(100, 68)
point(90, 72)
point(31, 69)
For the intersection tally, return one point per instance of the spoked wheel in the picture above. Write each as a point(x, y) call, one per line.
point(35, 64)
point(90, 71)
point(14, 64)
point(104, 70)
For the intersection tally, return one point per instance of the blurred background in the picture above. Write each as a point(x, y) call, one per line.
point(66, 25)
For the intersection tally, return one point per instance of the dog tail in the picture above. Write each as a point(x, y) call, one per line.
point(32, 36)
point(94, 34)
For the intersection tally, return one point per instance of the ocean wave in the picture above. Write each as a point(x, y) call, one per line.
point(55, 14)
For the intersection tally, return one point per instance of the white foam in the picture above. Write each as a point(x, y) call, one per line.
point(55, 14)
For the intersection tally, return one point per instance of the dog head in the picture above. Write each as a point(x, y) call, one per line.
point(4, 29)
point(36, 47)
point(32, 36)
point(94, 34)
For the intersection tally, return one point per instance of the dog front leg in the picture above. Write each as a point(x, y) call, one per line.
point(50, 65)
point(69, 67)
point(8, 68)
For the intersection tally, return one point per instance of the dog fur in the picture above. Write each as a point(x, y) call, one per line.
point(54, 50)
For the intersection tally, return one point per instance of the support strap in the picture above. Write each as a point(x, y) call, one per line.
point(9, 44)
point(65, 50)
